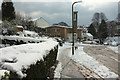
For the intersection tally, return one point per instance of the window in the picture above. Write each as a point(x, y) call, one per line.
point(53, 30)
point(58, 30)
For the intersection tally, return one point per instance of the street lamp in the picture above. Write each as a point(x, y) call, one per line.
point(73, 26)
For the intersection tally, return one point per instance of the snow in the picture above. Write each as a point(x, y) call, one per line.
point(114, 48)
point(2, 73)
point(22, 56)
point(19, 27)
point(89, 34)
point(114, 41)
point(27, 33)
point(31, 33)
point(58, 71)
point(82, 58)
point(25, 39)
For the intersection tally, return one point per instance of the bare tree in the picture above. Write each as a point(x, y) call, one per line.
point(97, 18)
point(103, 17)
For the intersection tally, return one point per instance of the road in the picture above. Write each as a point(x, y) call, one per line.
point(106, 56)
point(71, 69)
point(102, 54)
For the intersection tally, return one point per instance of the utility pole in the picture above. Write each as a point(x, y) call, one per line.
point(73, 26)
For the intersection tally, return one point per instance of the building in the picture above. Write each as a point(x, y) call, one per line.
point(64, 32)
point(41, 22)
point(85, 35)
point(41, 25)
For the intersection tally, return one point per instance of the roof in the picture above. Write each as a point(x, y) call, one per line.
point(38, 19)
point(62, 26)
point(41, 22)
point(19, 26)
point(89, 34)
point(59, 26)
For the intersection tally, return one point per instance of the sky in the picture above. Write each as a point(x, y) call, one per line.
point(55, 11)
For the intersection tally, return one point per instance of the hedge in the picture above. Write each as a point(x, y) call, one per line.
point(40, 70)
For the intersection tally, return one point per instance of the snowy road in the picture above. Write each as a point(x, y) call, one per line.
point(104, 55)
point(82, 65)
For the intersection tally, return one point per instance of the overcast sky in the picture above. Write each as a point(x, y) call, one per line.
point(55, 11)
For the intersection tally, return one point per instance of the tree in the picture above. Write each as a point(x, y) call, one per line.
point(91, 29)
point(97, 19)
point(102, 31)
point(8, 11)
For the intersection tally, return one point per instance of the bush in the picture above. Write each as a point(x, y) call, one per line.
point(41, 69)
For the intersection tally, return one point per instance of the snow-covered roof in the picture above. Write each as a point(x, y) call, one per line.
point(41, 22)
point(24, 55)
point(19, 26)
point(89, 34)
point(35, 19)
point(60, 26)
point(63, 26)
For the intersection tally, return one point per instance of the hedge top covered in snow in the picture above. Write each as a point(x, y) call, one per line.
point(25, 39)
point(22, 56)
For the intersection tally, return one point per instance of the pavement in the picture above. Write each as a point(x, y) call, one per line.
point(102, 54)
point(70, 70)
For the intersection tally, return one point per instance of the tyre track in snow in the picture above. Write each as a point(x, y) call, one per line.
point(73, 70)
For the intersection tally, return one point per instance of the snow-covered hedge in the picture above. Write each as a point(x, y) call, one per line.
point(16, 40)
point(29, 60)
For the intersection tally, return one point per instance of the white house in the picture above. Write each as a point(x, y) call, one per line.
point(41, 22)
point(86, 35)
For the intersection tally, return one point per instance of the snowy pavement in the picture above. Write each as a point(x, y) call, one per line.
point(81, 58)
point(66, 68)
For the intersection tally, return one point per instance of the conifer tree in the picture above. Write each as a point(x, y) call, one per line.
point(102, 31)
point(92, 30)
point(8, 11)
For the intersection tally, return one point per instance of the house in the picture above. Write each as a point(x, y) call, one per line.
point(85, 35)
point(64, 32)
point(41, 22)
point(41, 25)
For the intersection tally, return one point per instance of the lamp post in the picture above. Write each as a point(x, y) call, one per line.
point(73, 26)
